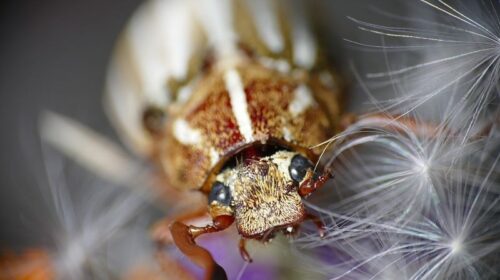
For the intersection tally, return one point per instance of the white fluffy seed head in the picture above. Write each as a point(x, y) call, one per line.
point(446, 54)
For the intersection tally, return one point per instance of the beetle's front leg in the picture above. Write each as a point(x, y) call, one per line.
point(162, 236)
point(160, 232)
point(184, 237)
point(219, 223)
point(314, 182)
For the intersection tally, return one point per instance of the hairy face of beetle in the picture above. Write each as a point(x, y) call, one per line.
point(263, 193)
point(265, 200)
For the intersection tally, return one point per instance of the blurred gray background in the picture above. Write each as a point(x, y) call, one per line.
point(54, 55)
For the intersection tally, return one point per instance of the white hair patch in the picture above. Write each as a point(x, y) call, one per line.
point(302, 100)
point(185, 133)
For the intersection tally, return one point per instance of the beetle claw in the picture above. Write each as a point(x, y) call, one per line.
point(319, 224)
point(243, 251)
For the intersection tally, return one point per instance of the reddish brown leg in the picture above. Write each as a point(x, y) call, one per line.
point(162, 235)
point(312, 184)
point(318, 222)
point(167, 264)
point(347, 120)
point(419, 128)
point(160, 232)
point(243, 250)
point(427, 129)
point(184, 237)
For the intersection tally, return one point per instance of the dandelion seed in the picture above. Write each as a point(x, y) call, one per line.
point(456, 246)
point(455, 237)
point(422, 167)
point(84, 230)
point(458, 60)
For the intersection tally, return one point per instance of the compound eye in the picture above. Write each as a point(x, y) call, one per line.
point(219, 193)
point(298, 168)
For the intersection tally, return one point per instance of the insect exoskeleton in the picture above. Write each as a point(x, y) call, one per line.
point(227, 97)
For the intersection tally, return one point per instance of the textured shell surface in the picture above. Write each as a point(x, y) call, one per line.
point(228, 74)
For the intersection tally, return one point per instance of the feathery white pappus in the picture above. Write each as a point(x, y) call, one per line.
point(87, 223)
point(411, 206)
point(186, 134)
point(455, 46)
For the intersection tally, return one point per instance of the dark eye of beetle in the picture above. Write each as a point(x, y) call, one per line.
point(298, 167)
point(220, 193)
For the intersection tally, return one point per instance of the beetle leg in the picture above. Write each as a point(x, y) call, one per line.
point(219, 223)
point(312, 184)
point(184, 237)
point(347, 120)
point(160, 232)
point(420, 128)
point(318, 222)
point(243, 250)
point(426, 129)
point(167, 264)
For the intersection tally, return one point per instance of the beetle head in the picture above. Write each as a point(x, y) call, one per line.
point(265, 194)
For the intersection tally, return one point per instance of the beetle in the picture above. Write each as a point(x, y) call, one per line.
point(230, 107)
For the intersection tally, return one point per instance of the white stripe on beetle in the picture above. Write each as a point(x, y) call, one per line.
point(239, 103)
point(301, 101)
point(287, 134)
point(185, 133)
